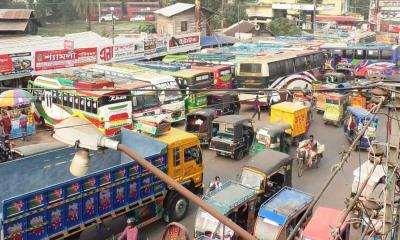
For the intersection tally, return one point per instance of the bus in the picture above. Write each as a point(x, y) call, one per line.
point(172, 102)
point(361, 57)
point(221, 75)
point(107, 109)
point(287, 70)
point(193, 80)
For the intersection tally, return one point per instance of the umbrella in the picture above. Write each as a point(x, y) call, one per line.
point(15, 98)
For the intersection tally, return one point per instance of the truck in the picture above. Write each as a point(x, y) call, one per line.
point(52, 204)
point(294, 114)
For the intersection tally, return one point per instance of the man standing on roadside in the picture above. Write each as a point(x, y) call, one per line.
point(6, 121)
point(23, 124)
point(257, 107)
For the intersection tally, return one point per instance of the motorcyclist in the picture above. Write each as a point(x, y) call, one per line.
point(310, 149)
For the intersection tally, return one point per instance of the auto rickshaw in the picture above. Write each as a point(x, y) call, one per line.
point(273, 136)
point(279, 215)
point(355, 120)
point(335, 107)
point(267, 173)
point(323, 221)
point(320, 97)
point(357, 100)
point(225, 103)
point(232, 199)
point(199, 123)
point(232, 136)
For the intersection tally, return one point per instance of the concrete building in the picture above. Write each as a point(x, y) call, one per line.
point(263, 11)
point(179, 19)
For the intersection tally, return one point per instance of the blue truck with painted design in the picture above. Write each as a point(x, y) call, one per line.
point(42, 200)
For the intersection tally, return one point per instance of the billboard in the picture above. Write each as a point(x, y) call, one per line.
point(56, 59)
point(183, 43)
point(155, 47)
point(16, 63)
point(121, 52)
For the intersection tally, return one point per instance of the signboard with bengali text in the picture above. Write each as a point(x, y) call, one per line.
point(57, 59)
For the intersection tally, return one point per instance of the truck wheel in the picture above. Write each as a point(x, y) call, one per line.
point(239, 155)
point(178, 208)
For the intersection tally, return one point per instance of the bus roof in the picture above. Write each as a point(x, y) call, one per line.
point(277, 56)
point(47, 82)
point(357, 47)
point(176, 137)
point(186, 73)
point(153, 77)
point(132, 85)
point(208, 67)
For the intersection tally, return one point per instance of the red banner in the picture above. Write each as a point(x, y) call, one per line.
point(175, 42)
point(6, 64)
point(56, 59)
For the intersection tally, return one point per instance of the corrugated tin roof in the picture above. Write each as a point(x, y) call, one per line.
point(15, 13)
point(174, 9)
point(242, 27)
point(11, 26)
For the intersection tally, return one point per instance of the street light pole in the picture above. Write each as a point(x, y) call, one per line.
point(76, 131)
point(112, 20)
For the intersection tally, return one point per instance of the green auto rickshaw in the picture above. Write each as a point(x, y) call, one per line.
point(273, 136)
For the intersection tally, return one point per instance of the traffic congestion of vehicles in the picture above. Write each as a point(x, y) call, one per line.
point(189, 115)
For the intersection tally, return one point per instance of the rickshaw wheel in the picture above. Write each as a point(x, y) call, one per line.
point(300, 166)
point(239, 155)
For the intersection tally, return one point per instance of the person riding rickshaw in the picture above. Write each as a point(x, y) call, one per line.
point(309, 153)
point(355, 120)
point(335, 106)
point(199, 123)
point(273, 136)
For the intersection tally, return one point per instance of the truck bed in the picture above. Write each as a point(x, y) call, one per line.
point(38, 190)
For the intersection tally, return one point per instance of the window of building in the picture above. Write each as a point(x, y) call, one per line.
point(184, 26)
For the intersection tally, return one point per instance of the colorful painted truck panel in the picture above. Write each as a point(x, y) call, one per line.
point(294, 114)
point(51, 202)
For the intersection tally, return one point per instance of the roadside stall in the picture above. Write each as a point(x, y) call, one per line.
point(14, 103)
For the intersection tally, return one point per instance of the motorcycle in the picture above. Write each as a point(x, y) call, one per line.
point(302, 155)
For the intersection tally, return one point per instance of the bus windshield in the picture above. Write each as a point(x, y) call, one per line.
point(170, 96)
point(250, 67)
point(145, 101)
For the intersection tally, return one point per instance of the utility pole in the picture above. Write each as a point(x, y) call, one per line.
point(99, 8)
point(314, 16)
point(391, 179)
point(197, 13)
point(223, 16)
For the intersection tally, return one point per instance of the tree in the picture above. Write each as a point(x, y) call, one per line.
point(82, 7)
point(283, 27)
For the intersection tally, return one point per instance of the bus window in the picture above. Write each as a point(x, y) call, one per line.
point(71, 101)
point(386, 54)
point(94, 106)
point(299, 64)
point(372, 54)
point(337, 52)
point(250, 67)
point(359, 54)
point(65, 99)
point(82, 103)
point(274, 69)
point(76, 102)
point(55, 98)
point(348, 53)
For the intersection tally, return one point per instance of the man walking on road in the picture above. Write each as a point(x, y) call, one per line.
point(130, 232)
point(256, 108)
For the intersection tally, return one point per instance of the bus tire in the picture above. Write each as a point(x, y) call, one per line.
point(178, 208)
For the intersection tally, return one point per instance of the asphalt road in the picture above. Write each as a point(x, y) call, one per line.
point(311, 181)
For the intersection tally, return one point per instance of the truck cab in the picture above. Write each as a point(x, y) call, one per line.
point(185, 165)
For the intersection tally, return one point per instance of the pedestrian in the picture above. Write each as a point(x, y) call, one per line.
point(6, 121)
point(257, 108)
point(23, 124)
point(130, 232)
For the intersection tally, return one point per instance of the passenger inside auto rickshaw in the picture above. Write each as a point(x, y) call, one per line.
point(310, 149)
point(197, 124)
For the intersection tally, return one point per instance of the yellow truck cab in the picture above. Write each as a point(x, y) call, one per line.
point(185, 163)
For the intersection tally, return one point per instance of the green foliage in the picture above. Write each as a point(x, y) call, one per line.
point(283, 27)
point(4, 4)
point(61, 11)
point(146, 27)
